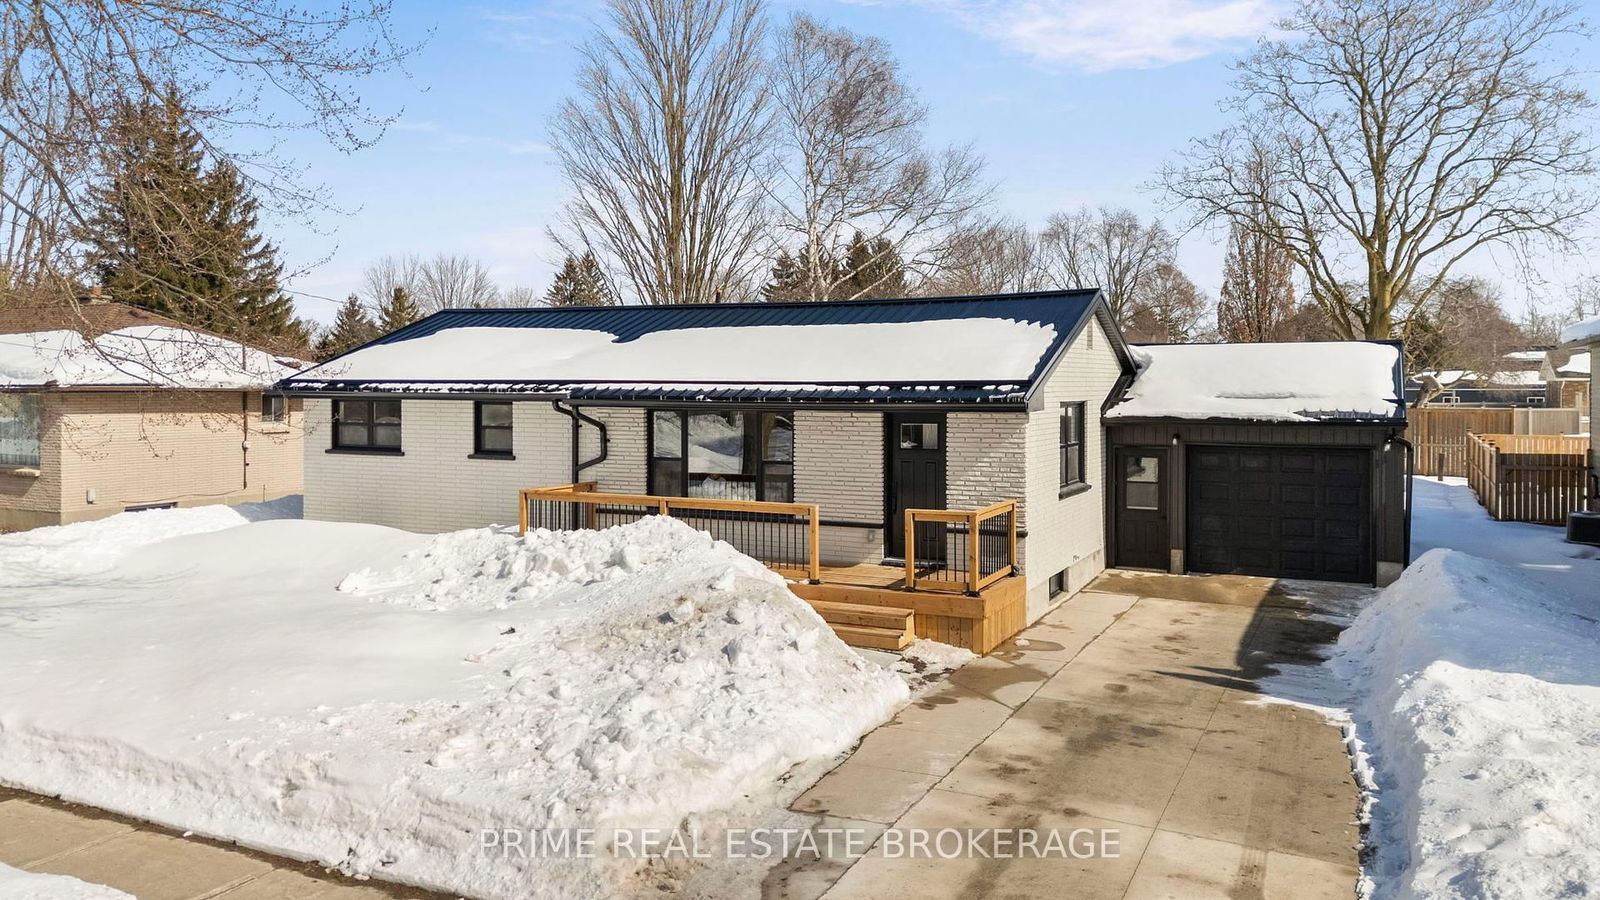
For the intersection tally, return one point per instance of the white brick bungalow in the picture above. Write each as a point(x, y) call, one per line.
point(983, 388)
point(1017, 418)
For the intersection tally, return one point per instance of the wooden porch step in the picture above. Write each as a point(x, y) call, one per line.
point(873, 637)
point(836, 613)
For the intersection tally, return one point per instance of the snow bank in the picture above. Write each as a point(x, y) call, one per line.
point(1291, 382)
point(1581, 332)
point(374, 699)
point(16, 884)
point(989, 349)
point(1478, 702)
point(155, 355)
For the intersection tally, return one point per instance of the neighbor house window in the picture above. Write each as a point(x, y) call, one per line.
point(274, 407)
point(19, 430)
point(491, 423)
point(366, 425)
point(1072, 445)
point(723, 455)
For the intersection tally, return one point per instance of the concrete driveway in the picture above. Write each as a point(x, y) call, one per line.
point(1131, 711)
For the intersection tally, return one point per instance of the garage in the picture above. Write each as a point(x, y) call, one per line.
point(1274, 460)
point(1288, 512)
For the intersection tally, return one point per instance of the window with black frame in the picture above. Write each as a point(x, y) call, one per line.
point(491, 428)
point(1072, 468)
point(726, 455)
point(370, 425)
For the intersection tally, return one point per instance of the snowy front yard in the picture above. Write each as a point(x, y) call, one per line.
point(1472, 686)
point(374, 699)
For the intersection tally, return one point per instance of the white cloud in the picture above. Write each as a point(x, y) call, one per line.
point(1098, 36)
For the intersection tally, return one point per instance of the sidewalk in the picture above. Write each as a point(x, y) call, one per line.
point(43, 835)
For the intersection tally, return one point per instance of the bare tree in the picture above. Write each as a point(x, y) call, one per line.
point(1167, 309)
point(1465, 328)
point(380, 278)
point(850, 163)
point(1402, 135)
point(1257, 296)
point(657, 147)
point(992, 257)
point(454, 281)
point(1109, 249)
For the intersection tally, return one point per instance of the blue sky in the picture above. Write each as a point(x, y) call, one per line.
point(1072, 101)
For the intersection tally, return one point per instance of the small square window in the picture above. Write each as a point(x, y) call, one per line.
point(492, 422)
point(274, 407)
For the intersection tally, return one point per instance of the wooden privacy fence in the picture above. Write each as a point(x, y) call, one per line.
point(1528, 477)
point(953, 550)
point(783, 536)
point(1439, 433)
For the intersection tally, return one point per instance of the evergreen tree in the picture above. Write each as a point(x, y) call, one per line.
point(170, 235)
point(787, 282)
point(351, 328)
point(397, 311)
point(581, 282)
point(874, 269)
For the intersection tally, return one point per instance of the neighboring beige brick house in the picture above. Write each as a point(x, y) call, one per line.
point(106, 408)
point(1583, 339)
point(983, 387)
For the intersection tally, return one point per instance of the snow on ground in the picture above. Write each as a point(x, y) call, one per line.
point(1472, 690)
point(16, 884)
point(374, 699)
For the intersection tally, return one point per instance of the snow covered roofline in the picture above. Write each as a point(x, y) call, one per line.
point(111, 346)
point(1323, 381)
point(1581, 334)
point(979, 350)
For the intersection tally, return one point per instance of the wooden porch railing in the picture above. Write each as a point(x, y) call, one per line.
point(784, 536)
point(1535, 478)
point(965, 551)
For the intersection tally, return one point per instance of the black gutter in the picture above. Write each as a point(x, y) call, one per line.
point(577, 418)
point(1411, 474)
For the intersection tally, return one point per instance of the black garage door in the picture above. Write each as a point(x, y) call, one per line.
point(1287, 512)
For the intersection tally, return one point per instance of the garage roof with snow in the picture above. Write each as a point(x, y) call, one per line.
point(1329, 381)
point(987, 350)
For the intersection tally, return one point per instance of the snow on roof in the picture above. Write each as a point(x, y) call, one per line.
point(1578, 365)
point(937, 351)
point(1289, 382)
point(1527, 355)
point(140, 356)
point(1585, 332)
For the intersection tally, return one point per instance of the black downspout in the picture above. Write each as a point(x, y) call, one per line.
point(577, 418)
point(1411, 466)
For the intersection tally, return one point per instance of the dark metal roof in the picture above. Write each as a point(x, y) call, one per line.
point(1065, 311)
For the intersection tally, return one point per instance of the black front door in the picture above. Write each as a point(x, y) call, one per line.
point(1143, 540)
point(915, 470)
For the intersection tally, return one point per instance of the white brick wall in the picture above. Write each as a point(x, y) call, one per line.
point(839, 465)
point(434, 486)
point(1068, 532)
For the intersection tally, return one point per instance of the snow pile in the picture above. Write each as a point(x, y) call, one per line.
point(1292, 382)
point(488, 568)
point(245, 685)
point(153, 355)
point(936, 351)
point(1479, 702)
point(1581, 332)
point(16, 884)
point(42, 556)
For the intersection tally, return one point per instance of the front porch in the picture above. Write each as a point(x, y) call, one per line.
point(960, 583)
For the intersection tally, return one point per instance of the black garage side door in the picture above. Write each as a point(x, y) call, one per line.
point(1286, 512)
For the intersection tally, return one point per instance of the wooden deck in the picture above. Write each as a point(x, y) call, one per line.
point(978, 623)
